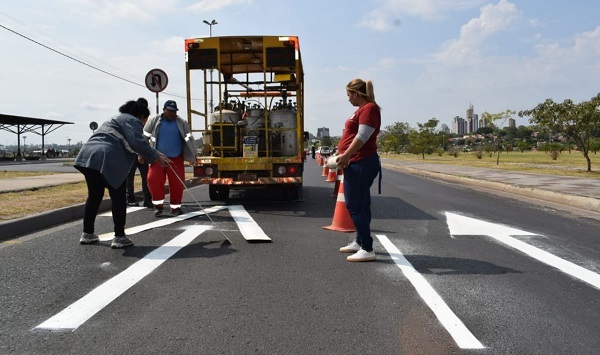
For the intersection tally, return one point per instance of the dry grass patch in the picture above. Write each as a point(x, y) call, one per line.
point(30, 202)
point(567, 164)
point(17, 174)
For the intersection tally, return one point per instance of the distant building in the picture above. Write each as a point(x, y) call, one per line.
point(459, 125)
point(469, 127)
point(444, 128)
point(322, 132)
point(512, 122)
point(483, 123)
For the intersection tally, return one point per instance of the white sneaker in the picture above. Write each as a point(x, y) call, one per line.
point(121, 242)
point(350, 248)
point(362, 255)
point(88, 238)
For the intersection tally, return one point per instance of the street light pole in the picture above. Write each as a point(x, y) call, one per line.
point(24, 145)
point(210, 25)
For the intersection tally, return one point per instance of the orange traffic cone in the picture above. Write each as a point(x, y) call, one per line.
point(331, 176)
point(325, 170)
point(341, 217)
point(339, 177)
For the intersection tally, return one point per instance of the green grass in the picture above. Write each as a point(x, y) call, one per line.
point(567, 164)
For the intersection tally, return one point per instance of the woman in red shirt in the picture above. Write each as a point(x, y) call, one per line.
point(359, 159)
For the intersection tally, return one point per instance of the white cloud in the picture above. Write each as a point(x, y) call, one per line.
point(493, 19)
point(214, 5)
point(54, 116)
point(386, 63)
point(96, 107)
point(389, 14)
point(107, 11)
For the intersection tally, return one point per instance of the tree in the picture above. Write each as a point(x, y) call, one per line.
point(423, 140)
point(496, 121)
point(522, 146)
point(394, 137)
point(578, 121)
point(326, 141)
point(595, 145)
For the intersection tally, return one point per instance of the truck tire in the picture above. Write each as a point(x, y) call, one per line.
point(218, 192)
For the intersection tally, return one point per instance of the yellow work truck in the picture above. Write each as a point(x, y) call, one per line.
point(250, 91)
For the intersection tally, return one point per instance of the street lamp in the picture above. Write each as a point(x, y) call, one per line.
point(210, 25)
point(69, 147)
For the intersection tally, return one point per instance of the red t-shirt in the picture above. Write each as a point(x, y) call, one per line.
point(367, 114)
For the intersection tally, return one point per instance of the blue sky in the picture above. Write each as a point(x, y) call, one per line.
point(426, 58)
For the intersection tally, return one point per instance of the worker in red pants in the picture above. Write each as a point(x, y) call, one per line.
point(170, 135)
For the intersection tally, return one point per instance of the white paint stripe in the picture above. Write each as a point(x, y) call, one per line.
point(80, 311)
point(161, 222)
point(563, 265)
point(459, 332)
point(129, 210)
point(248, 227)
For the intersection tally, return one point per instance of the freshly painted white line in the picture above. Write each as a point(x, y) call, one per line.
point(161, 222)
point(459, 332)
point(248, 227)
point(83, 309)
point(461, 225)
point(129, 210)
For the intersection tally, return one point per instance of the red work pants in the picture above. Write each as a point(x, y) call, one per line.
point(157, 176)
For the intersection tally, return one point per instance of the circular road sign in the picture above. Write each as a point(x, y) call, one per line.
point(93, 126)
point(156, 80)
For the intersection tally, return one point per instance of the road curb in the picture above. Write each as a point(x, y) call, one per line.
point(29, 224)
point(581, 202)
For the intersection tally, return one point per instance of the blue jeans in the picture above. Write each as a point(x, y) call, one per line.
point(358, 178)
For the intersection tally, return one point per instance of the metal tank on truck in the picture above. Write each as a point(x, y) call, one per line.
point(254, 136)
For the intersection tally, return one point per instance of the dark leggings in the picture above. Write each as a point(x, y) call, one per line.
point(131, 177)
point(96, 185)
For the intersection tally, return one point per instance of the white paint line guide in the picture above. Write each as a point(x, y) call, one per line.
point(161, 222)
point(248, 227)
point(86, 307)
point(129, 210)
point(459, 332)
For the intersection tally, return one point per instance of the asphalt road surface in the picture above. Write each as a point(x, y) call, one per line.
point(458, 271)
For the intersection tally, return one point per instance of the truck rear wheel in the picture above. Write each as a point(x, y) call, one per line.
point(218, 192)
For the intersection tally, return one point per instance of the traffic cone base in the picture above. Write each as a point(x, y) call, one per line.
point(342, 222)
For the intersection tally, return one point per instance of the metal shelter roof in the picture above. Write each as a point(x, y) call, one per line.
point(10, 120)
point(19, 125)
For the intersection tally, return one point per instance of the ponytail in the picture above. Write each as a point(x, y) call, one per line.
point(364, 89)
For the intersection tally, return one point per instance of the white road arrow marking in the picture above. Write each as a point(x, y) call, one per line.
point(455, 327)
point(86, 307)
point(461, 225)
point(161, 222)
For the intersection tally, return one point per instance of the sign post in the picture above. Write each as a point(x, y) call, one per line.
point(156, 81)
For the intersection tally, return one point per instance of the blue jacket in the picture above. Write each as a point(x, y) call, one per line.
point(113, 148)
